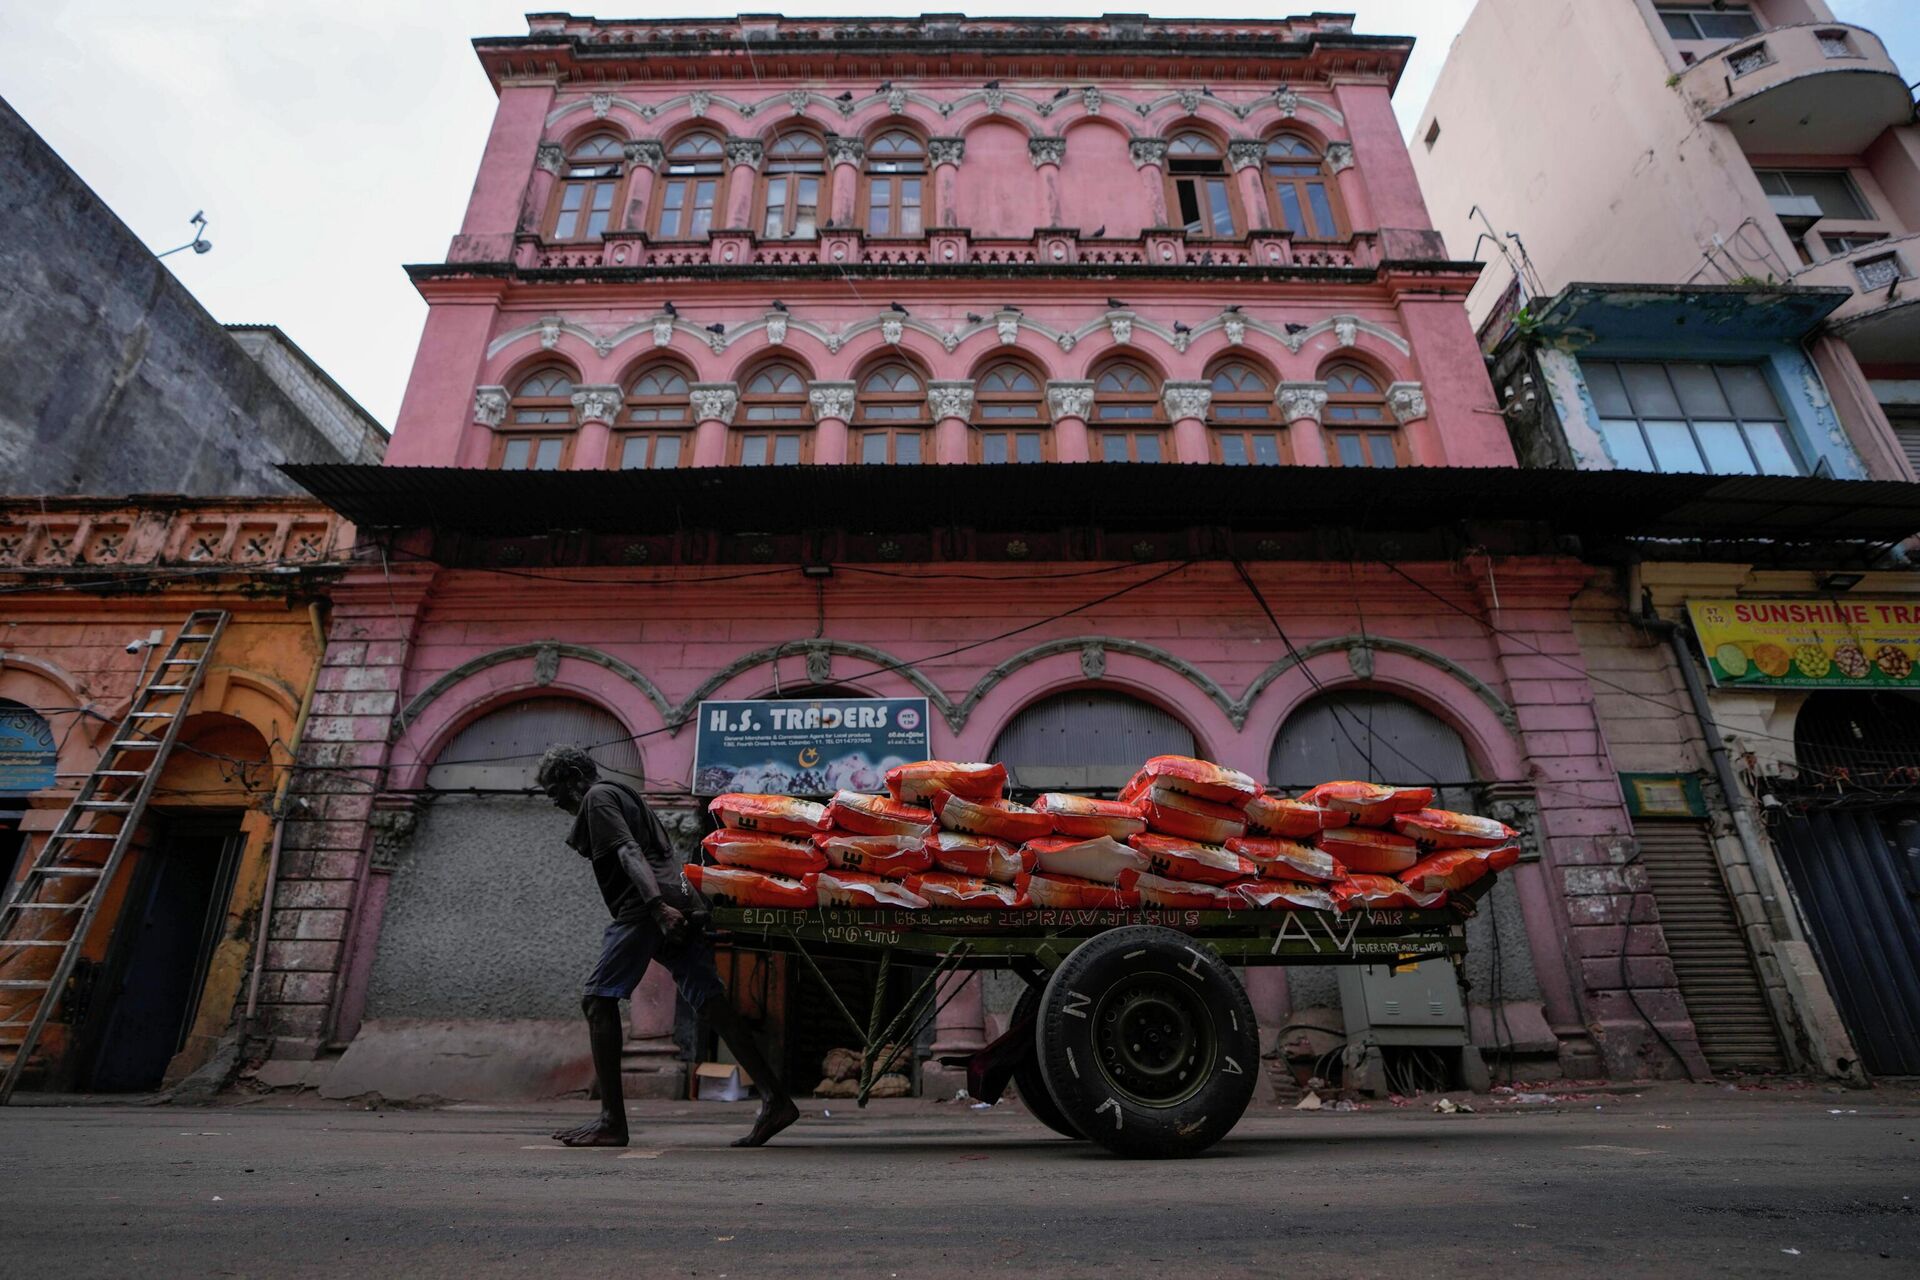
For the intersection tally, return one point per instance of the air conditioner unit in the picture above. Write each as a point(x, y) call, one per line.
point(1796, 213)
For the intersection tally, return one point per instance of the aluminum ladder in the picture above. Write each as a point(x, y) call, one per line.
point(105, 812)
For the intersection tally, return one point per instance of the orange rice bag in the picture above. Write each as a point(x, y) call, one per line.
point(1450, 869)
point(1378, 893)
point(1371, 804)
point(777, 815)
point(921, 781)
point(1001, 819)
point(1188, 860)
point(1369, 851)
point(982, 857)
point(1286, 859)
point(944, 889)
point(1074, 894)
point(782, 855)
point(1084, 816)
point(1174, 813)
point(1291, 819)
point(1157, 891)
point(877, 816)
point(858, 889)
point(1200, 778)
point(1102, 858)
point(1278, 895)
point(1441, 829)
point(890, 856)
point(741, 887)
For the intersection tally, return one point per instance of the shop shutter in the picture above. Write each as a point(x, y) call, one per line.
point(1086, 740)
point(1722, 988)
point(1907, 431)
point(501, 749)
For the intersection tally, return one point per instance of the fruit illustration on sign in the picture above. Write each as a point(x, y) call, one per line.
point(1732, 659)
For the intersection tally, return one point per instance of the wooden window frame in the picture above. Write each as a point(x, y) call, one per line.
point(1155, 416)
point(1236, 214)
point(763, 186)
point(560, 402)
point(637, 403)
point(616, 182)
point(1097, 442)
point(737, 443)
point(744, 425)
point(668, 178)
point(497, 459)
point(616, 456)
point(893, 435)
point(869, 180)
point(1344, 397)
point(1271, 182)
point(984, 425)
point(1396, 438)
point(1012, 430)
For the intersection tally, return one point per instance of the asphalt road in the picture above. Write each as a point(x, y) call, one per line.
point(1677, 1182)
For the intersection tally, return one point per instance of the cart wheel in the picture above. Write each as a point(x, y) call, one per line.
point(1148, 1043)
point(1031, 1081)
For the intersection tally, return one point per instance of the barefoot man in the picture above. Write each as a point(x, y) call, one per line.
point(640, 878)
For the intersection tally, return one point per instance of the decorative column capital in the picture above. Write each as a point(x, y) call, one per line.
point(1246, 153)
point(831, 400)
point(714, 401)
point(1070, 399)
point(844, 150)
point(950, 399)
point(1339, 156)
point(598, 404)
point(646, 153)
point(1046, 151)
point(1408, 401)
point(1302, 400)
point(1146, 151)
point(1186, 399)
point(946, 151)
point(745, 151)
point(490, 406)
point(550, 156)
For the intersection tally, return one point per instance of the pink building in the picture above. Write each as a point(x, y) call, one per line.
point(967, 255)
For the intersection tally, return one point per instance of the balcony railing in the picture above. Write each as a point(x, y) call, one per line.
point(1823, 88)
point(1881, 321)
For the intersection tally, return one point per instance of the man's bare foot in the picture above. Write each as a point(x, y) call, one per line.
point(773, 1117)
point(595, 1133)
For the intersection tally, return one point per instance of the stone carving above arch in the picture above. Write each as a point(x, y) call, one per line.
point(819, 656)
point(1361, 652)
point(545, 655)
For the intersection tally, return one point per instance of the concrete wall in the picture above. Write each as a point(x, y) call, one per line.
point(116, 380)
point(348, 427)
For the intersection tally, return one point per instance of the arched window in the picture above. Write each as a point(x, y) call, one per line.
point(689, 187)
point(790, 189)
point(654, 426)
point(1086, 739)
point(1010, 414)
point(1201, 197)
point(1303, 203)
point(1245, 427)
point(890, 416)
point(1126, 398)
point(501, 749)
point(1361, 431)
point(585, 203)
point(539, 430)
point(26, 755)
point(1375, 737)
point(896, 172)
point(773, 411)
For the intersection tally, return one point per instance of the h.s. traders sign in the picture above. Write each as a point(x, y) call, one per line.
point(806, 746)
point(1809, 644)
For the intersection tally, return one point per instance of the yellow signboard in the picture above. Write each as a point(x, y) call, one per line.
point(1809, 644)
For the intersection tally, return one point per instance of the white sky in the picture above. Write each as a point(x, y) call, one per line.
point(330, 141)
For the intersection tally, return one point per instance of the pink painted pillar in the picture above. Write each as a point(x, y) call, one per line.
point(500, 191)
point(1150, 162)
point(951, 404)
point(596, 408)
point(1381, 152)
point(944, 154)
point(1186, 404)
point(832, 408)
point(1301, 404)
point(843, 197)
point(744, 154)
point(644, 158)
point(1467, 428)
point(1249, 160)
point(1408, 402)
point(1047, 155)
point(713, 406)
point(436, 425)
point(1070, 403)
point(1352, 187)
point(549, 163)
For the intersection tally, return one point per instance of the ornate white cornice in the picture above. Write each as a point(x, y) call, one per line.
point(1339, 156)
point(844, 150)
point(950, 399)
point(646, 153)
point(1408, 400)
point(831, 400)
point(490, 405)
point(1146, 151)
point(598, 404)
point(1046, 150)
point(550, 156)
point(1302, 400)
point(946, 150)
point(1186, 399)
point(1070, 399)
point(745, 151)
point(715, 401)
point(1245, 153)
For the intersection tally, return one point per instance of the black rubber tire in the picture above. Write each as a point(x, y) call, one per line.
point(1148, 1043)
point(1032, 1082)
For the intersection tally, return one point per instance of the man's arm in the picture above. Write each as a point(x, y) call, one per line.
point(607, 826)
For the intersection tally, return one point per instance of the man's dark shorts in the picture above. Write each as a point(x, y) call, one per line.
point(627, 949)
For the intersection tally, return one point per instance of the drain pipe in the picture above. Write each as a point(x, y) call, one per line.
point(278, 810)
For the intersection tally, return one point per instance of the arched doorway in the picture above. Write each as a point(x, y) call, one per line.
point(500, 750)
point(1086, 740)
point(27, 763)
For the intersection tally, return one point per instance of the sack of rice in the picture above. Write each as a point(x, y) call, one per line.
point(1001, 819)
point(1071, 893)
point(1157, 891)
point(1376, 893)
point(859, 889)
point(982, 857)
point(776, 815)
point(741, 887)
point(1457, 868)
point(1278, 895)
point(1100, 859)
point(890, 856)
point(919, 782)
point(1442, 829)
point(1370, 804)
point(1366, 850)
point(1287, 859)
point(877, 816)
point(1189, 860)
point(1289, 819)
point(1193, 777)
point(1174, 813)
point(782, 855)
point(944, 889)
point(1083, 816)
